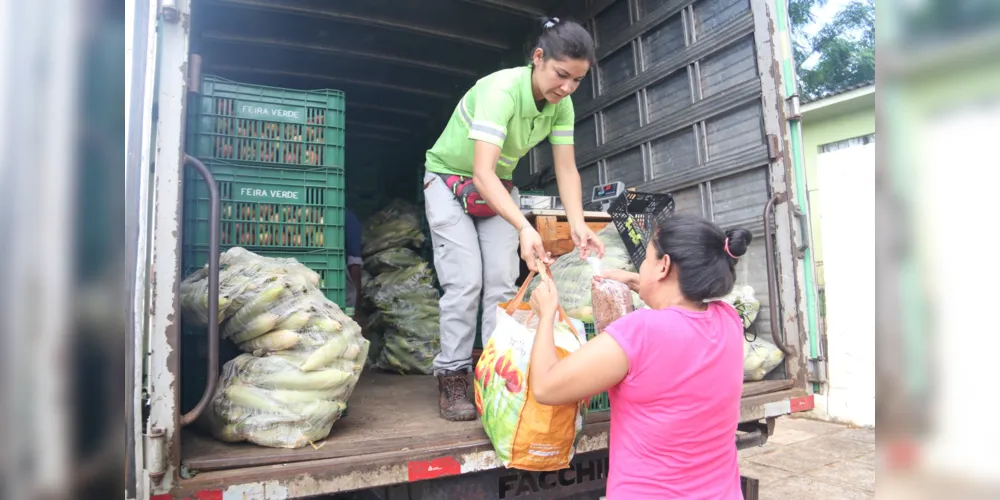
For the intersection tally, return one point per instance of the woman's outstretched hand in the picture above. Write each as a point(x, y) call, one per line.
point(545, 298)
point(585, 239)
point(630, 279)
point(532, 249)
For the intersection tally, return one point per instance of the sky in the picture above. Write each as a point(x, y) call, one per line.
point(822, 15)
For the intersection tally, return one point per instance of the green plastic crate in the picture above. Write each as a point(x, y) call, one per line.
point(267, 208)
point(267, 125)
point(330, 264)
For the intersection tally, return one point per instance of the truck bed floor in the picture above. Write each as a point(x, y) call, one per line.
point(386, 413)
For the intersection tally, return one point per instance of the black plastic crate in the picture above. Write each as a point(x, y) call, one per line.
point(635, 215)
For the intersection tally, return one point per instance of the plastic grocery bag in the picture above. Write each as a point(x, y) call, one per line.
point(573, 276)
point(742, 298)
point(611, 299)
point(525, 434)
point(759, 358)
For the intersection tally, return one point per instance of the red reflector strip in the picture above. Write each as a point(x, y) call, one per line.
point(208, 495)
point(165, 496)
point(439, 467)
point(804, 403)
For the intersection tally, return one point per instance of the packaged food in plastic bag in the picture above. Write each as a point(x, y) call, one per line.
point(573, 276)
point(525, 434)
point(611, 299)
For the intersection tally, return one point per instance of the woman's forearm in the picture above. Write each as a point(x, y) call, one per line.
point(568, 182)
point(543, 355)
point(571, 194)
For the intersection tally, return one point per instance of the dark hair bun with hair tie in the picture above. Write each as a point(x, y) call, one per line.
point(739, 240)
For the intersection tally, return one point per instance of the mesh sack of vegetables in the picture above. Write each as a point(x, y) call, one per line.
point(296, 381)
point(408, 318)
point(392, 259)
point(241, 274)
point(296, 339)
point(395, 209)
point(395, 226)
point(271, 401)
point(573, 276)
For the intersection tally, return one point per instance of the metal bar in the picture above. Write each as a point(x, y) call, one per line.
point(327, 49)
point(520, 9)
point(369, 21)
point(751, 439)
point(164, 324)
point(777, 333)
point(312, 76)
point(141, 55)
point(790, 283)
point(215, 215)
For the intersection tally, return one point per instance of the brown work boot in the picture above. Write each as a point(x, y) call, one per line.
point(454, 398)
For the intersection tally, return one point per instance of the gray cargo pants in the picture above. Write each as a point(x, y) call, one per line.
point(474, 258)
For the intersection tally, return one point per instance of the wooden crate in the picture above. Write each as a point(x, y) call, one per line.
point(554, 229)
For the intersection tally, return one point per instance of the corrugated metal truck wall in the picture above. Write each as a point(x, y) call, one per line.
point(674, 105)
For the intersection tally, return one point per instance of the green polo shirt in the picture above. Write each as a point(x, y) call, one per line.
point(499, 110)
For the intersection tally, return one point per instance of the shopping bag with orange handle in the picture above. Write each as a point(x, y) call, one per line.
point(525, 434)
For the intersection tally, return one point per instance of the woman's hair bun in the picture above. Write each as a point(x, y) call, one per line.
point(739, 240)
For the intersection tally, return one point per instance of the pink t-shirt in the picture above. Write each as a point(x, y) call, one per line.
point(674, 416)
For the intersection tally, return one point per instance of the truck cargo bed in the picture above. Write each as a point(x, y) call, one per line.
point(387, 414)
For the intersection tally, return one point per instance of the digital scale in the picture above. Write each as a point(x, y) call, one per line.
point(606, 193)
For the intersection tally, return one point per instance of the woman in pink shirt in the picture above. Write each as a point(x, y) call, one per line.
point(674, 372)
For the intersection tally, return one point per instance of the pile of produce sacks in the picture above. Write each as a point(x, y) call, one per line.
point(573, 276)
point(404, 301)
point(303, 355)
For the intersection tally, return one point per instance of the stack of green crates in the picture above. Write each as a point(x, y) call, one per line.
point(277, 156)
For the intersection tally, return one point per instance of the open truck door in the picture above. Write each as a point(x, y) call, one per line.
point(140, 75)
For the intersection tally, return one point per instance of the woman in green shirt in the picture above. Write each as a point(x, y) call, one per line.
point(476, 223)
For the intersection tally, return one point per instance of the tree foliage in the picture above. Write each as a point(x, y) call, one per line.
point(840, 54)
